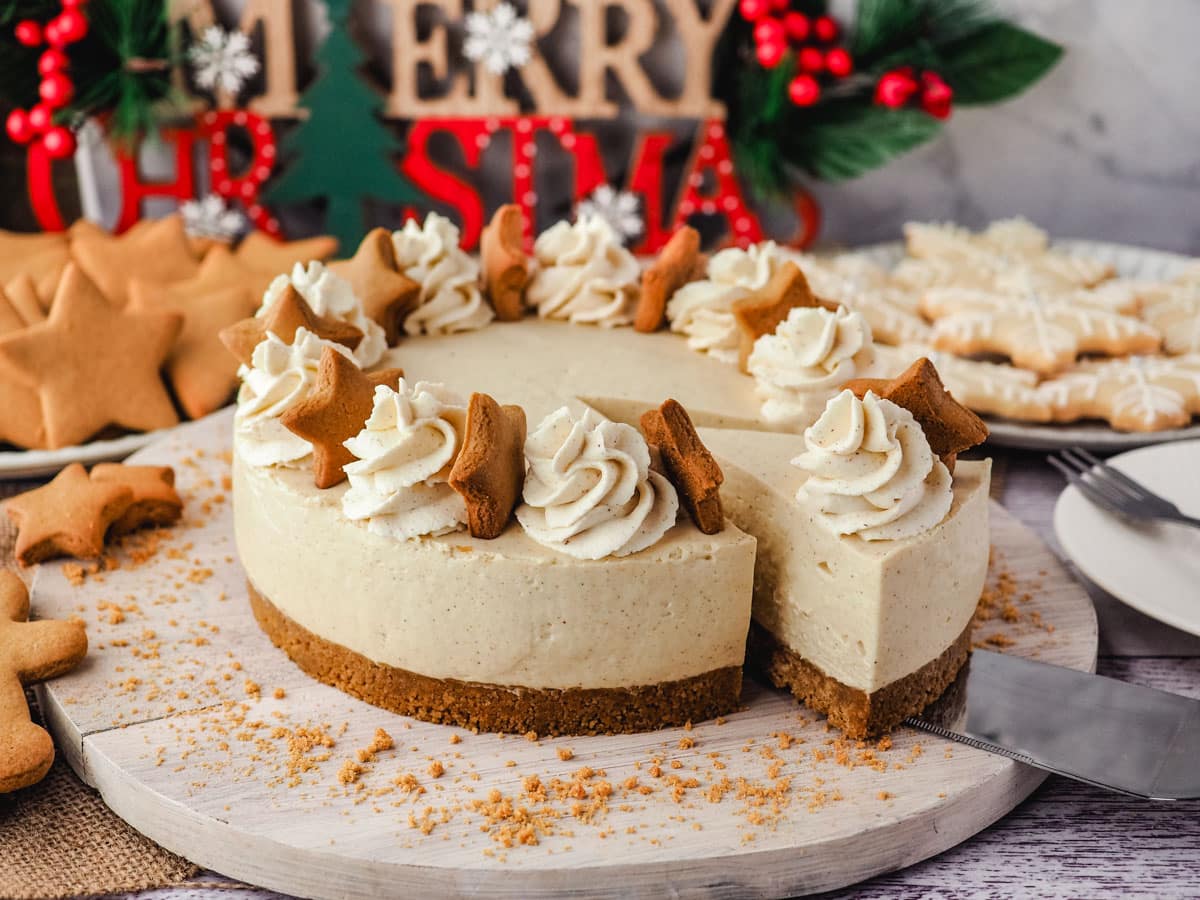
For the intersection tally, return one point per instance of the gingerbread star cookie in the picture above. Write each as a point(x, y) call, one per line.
point(22, 423)
point(221, 294)
point(340, 402)
point(267, 255)
point(289, 312)
point(696, 475)
point(155, 501)
point(949, 426)
point(489, 472)
point(761, 312)
point(505, 264)
point(157, 252)
point(679, 263)
point(24, 298)
point(29, 652)
point(387, 295)
point(1139, 393)
point(1042, 334)
point(67, 517)
point(95, 365)
point(43, 268)
point(10, 319)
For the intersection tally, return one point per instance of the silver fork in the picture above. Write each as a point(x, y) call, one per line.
point(1113, 490)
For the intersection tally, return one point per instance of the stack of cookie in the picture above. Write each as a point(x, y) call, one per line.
point(1022, 330)
point(101, 333)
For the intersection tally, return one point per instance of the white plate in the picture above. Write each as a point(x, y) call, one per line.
point(36, 463)
point(1130, 262)
point(1154, 568)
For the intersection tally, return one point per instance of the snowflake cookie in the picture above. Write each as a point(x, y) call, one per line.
point(1140, 393)
point(866, 288)
point(990, 389)
point(1174, 309)
point(1043, 334)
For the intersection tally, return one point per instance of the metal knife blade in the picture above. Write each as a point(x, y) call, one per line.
point(1108, 733)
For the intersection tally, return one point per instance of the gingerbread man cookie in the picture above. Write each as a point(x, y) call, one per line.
point(29, 652)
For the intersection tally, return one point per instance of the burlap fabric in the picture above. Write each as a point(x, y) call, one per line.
point(58, 839)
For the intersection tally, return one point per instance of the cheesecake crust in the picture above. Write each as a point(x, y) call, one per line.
point(489, 707)
point(857, 713)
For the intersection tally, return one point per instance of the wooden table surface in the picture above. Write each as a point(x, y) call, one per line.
point(1068, 839)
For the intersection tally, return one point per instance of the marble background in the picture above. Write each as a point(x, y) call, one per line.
point(1106, 147)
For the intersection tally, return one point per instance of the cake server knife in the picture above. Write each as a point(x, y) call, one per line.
point(1104, 732)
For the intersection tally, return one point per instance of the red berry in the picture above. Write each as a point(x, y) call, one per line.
point(53, 38)
point(811, 59)
point(770, 54)
point(52, 60)
point(18, 127)
point(804, 90)
point(40, 117)
point(56, 89)
point(28, 32)
point(797, 26)
point(59, 142)
point(71, 25)
point(894, 89)
point(769, 31)
point(838, 62)
point(72, 4)
point(753, 10)
point(936, 96)
point(780, 5)
point(826, 29)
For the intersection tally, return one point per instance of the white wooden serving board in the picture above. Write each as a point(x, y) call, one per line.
point(160, 721)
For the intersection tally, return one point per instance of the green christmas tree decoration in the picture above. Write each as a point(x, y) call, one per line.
point(343, 151)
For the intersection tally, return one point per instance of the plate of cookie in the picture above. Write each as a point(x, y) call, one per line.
point(108, 342)
point(1055, 344)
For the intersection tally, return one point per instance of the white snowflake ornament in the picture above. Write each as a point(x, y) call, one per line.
point(500, 39)
point(210, 217)
point(222, 60)
point(620, 209)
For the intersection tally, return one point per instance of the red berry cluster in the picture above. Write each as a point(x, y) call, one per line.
point(900, 86)
point(778, 27)
point(56, 88)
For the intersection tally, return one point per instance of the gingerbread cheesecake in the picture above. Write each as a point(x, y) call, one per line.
point(588, 557)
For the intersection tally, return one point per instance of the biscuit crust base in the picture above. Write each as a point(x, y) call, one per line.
point(487, 707)
point(857, 713)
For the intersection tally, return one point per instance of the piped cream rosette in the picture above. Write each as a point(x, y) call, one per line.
point(590, 491)
point(871, 472)
point(811, 354)
point(702, 311)
point(331, 295)
point(450, 299)
point(279, 376)
point(405, 450)
point(584, 275)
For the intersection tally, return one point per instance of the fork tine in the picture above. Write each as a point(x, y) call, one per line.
point(1098, 473)
point(1138, 490)
point(1098, 492)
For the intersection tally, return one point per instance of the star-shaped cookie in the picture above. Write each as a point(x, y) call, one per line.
point(157, 252)
point(24, 298)
point(155, 501)
point(22, 423)
point(29, 652)
point(761, 312)
point(340, 402)
point(679, 262)
point(43, 268)
point(696, 475)
point(221, 294)
point(387, 295)
point(272, 257)
point(289, 312)
point(489, 472)
point(67, 517)
point(505, 264)
point(949, 426)
point(95, 365)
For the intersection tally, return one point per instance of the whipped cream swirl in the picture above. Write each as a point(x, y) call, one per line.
point(590, 492)
point(703, 310)
point(584, 275)
point(279, 376)
point(331, 295)
point(812, 353)
point(871, 471)
point(450, 299)
point(405, 452)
